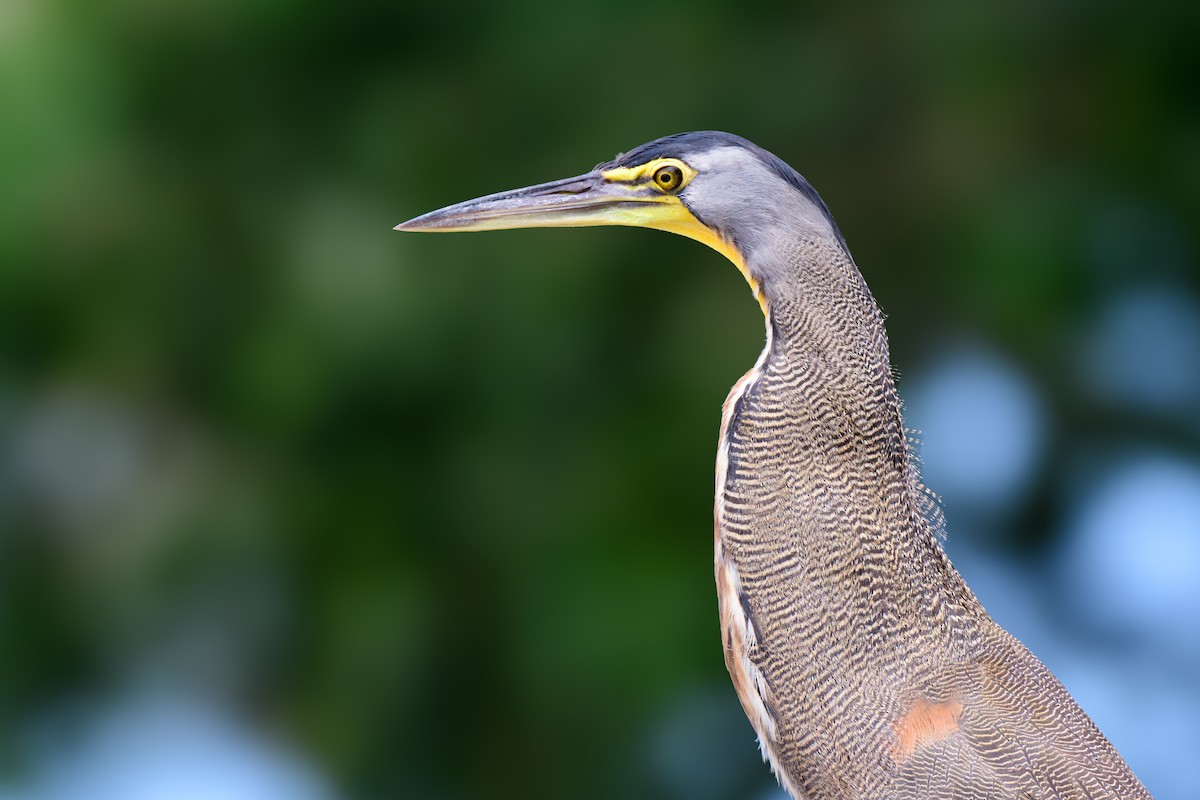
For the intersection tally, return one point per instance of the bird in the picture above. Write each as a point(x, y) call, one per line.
point(866, 666)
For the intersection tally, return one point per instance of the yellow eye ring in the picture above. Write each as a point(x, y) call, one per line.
point(668, 178)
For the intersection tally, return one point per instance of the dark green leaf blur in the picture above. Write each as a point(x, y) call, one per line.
point(293, 506)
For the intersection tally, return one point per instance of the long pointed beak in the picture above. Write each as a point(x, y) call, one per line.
point(585, 200)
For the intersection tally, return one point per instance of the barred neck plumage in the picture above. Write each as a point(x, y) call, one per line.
point(828, 346)
point(816, 428)
point(824, 557)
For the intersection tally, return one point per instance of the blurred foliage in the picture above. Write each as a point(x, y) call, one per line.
point(437, 510)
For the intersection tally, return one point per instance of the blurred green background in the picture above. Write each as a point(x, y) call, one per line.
point(293, 506)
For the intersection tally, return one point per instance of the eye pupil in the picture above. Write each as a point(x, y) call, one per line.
point(669, 177)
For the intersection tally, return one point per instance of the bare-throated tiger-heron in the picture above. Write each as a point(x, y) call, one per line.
point(867, 667)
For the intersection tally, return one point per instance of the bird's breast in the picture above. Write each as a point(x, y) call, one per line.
point(813, 567)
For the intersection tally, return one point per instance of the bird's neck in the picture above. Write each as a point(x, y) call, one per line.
point(827, 365)
point(823, 322)
point(814, 475)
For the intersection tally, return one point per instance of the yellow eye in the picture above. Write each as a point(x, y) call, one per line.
point(668, 178)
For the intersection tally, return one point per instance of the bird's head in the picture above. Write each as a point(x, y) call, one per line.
point(713, 187)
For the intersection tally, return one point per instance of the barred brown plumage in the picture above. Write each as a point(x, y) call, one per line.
point(866, 666)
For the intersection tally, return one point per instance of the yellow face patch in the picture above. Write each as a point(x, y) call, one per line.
point(671, 215)
point(644, 173)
